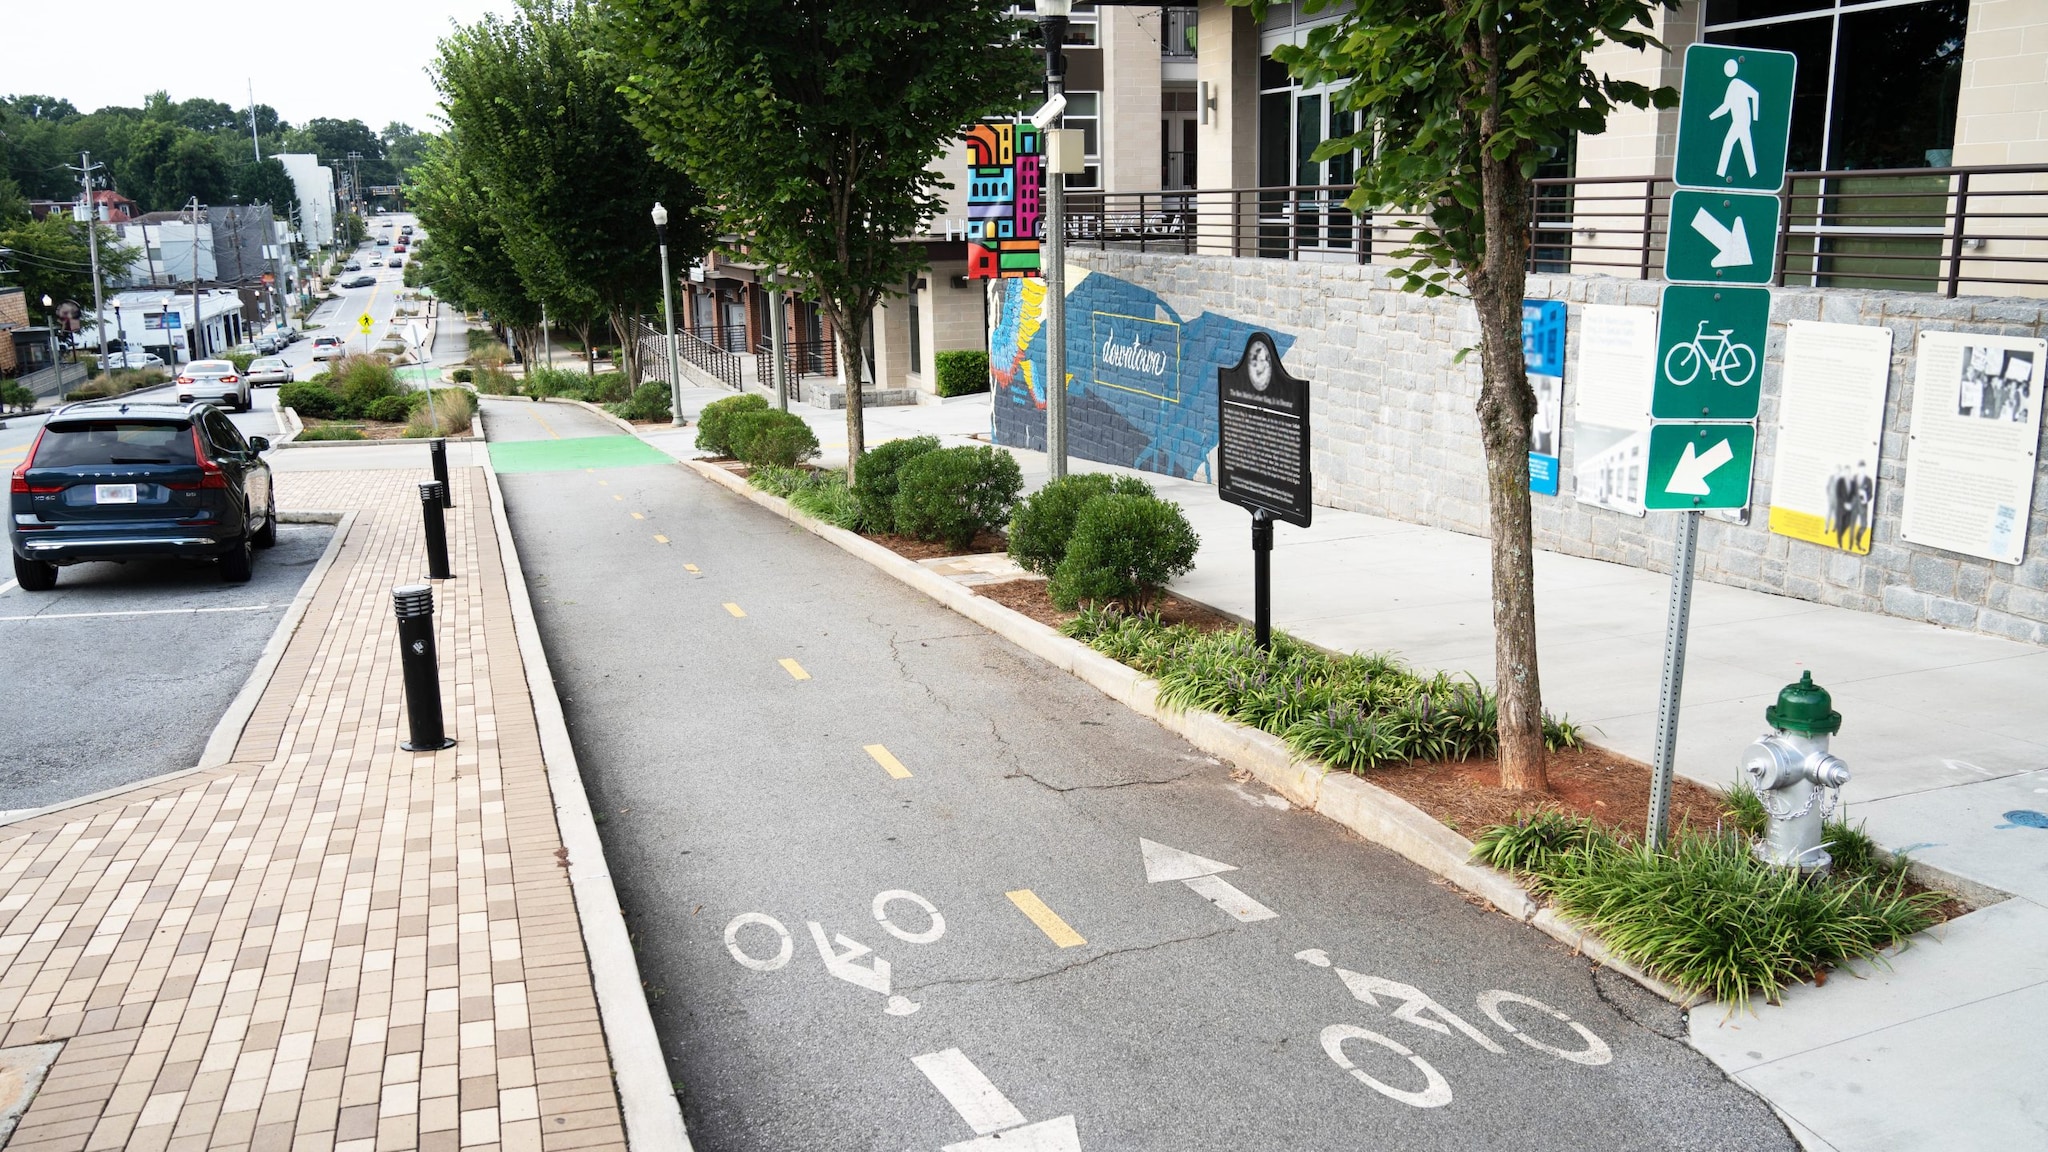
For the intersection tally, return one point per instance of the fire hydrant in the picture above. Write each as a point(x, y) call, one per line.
point(1796, 777)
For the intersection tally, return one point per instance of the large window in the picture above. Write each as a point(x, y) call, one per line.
point(1293, 123)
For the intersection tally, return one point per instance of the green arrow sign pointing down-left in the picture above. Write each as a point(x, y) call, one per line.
point(1699, 466)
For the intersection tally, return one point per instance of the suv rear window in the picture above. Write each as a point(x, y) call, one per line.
point(115, 442)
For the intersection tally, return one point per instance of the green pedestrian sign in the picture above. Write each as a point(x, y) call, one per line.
point(1721, 238)
point(1710, 351)
point(1695, 467)
point(1734, 118)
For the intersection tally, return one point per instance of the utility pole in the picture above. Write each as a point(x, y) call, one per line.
point(85, 170)
point(192, 332)
point(355, 180)
point(253, 137)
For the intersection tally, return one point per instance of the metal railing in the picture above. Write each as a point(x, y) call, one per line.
point(804, 358)
point(727, 365)
point(1945, 230)
point(724, 337)
point(1177, 32)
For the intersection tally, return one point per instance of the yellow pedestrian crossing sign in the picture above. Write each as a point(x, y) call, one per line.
point(364, 323)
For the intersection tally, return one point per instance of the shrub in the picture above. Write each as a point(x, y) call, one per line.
point(609, 388)
point(496, 382)
point(449, 414)
point(955, 494)
point(777, 481)
point(650, 401)
point(13, 395)
point(1045, 519)
point(241, 360)
point(362, 381)
point(1124, 549)
point(547, 382)
point(715, 423)
point(389, 409)
point(963, 372)
point(333, 432)
point(463, 375)
point(312, 398)
point(773, 437)
point(875, 481)
point(826, 496)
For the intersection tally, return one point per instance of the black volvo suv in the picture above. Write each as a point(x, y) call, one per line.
point(108, 480)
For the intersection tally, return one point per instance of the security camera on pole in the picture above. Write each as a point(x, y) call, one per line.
point(1734, 125)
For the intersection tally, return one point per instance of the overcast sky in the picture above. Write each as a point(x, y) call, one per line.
point(357, 60)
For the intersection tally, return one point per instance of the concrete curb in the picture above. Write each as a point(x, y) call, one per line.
point(288, 419)
point(597, 410)
point(220, 746)
point(1365, 808)
point(401, 441)
point(647, 1099)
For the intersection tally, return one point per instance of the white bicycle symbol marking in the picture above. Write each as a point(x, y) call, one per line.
point(1731, 363)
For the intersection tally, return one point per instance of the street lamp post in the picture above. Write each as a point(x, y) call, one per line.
point(668, 313)
point(56, 359)
point(1052, 16)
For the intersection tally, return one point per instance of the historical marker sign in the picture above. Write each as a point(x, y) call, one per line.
point(1721, 238)
point(1698, 466)
point(1734, 118)
point(1710, 352)
point(1262, 459)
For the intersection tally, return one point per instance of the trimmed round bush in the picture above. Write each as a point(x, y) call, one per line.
point(1045, 519)
point(874, 484)
point(955, 494)
point(715, 423)
point(312, 398)
point(464, 376)
point(391, 409)
point(773, 437)
point(1124, 549)
point(648, 402)
point(962, 372)
point(608, 388)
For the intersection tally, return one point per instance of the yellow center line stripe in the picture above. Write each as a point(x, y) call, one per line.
point(604, 483)
point(735, 610)
point(638, 516)
point(544, 424)
point(660, 539)
point(1048, 921)
point(689, 568)
point(795, 670)
point(618, 497)
point(888, 761)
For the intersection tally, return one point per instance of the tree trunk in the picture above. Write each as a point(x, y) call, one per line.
point(629, 345)
point(853, 359)
point(1506, 407)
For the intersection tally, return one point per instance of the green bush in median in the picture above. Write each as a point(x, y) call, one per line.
point(826, 496)
point(875, 485)
point(773, 437)
point(389, 409)
point(1124, 549)
point(962, 372)
point(333, 432)
point(955, 494)
point(463, 375)
point(312, 398)
point(1045, 519)
point(715, 423)
point(650, 401)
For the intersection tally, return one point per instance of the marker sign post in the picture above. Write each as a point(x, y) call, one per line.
point(363, 325)
point(1262, 459)
point(1734, 125)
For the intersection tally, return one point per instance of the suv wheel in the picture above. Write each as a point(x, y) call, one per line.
point(34, 575)
point(266, 536)
point(234, 563)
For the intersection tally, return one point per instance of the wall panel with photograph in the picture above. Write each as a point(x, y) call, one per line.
point(1831, 401)
point(1975, 443)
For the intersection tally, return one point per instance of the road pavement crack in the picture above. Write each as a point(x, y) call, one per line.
point(1064, 969)
point(1020, 774)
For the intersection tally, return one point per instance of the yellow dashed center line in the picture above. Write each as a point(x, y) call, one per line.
point(660, 539)
point(1048, 921)
point(618, 497)
point(542, 423)
point(738, 612)
point(795, 670)
point(888, 761)
point(638, 516)
point(689, 568)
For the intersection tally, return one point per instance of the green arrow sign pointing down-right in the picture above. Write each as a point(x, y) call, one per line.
point(1721, 238)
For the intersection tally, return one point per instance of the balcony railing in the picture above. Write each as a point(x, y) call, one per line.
point(1947, 230)
point(1177, 33)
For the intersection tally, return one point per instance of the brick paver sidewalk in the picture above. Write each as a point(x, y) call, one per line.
point(327, 943)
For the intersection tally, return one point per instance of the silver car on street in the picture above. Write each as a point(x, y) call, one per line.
point(271, 370)
point(214, 381)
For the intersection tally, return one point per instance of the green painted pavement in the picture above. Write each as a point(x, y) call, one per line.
point(568, 455)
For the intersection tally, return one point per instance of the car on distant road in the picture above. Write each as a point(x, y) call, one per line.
point(329, 348)
point(118, 480)
point(270, 370)
point(131, 360)
point(267, 344)
point(376, 262)
point(396, 262)
point(406, 231)
point(363, 281)
point(212, 379)
point(383, 241)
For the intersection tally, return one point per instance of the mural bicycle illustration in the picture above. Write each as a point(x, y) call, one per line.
point(1725, 360)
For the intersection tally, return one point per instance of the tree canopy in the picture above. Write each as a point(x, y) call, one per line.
point(51, 257)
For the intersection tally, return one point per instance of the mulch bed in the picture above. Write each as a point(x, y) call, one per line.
point(915, 549)
point(1608, 787)
point(1029, 597)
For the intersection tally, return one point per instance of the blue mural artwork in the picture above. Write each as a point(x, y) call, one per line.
point(1543, 354)
point(2024, 818)
point(1141, 389)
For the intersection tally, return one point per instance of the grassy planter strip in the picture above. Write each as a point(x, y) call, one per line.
point(1372, 812)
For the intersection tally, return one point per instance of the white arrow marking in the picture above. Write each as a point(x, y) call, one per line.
point(997, 1124)
point(1164, 863)
point(1731, 244)
point(1220, 892)
point(1045, 1136)
point(1690, 477)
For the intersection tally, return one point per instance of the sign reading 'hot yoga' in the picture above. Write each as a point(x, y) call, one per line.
point(1262, 460)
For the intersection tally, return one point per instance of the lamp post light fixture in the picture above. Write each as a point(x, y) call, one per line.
point(56, 358)
point(668, 313)
point(1052, 17)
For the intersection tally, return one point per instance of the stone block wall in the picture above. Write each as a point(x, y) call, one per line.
point(1394, 433)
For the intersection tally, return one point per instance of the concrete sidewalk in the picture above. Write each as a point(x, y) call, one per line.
point(1946, 732)
point(325, 942)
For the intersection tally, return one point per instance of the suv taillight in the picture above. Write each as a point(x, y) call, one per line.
point(20, 484)
point(229, 379)
point(210, 475)
point(184, 379)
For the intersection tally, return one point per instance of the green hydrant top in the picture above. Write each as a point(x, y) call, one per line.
point(1804, 707)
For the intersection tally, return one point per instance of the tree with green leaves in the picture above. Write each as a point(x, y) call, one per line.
point(540, 122)
point(1458, 101)
point(813, 128)
point(51, 257)
point(465, 261)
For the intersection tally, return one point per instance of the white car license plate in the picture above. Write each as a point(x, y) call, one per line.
point(114, 493)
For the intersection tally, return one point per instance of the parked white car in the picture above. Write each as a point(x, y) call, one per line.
point(213, 380)
point(270, 370)
point(132, 360)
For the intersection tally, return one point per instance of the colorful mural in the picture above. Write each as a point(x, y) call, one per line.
point(1005, 172)
point(1141, 380)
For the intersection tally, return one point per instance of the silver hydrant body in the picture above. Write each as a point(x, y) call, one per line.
point(1796, 777)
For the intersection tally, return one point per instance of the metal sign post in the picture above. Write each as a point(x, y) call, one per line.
point(1676, 621)
point(1262, 459)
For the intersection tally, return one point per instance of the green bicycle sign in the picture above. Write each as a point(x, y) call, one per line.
point(1710, 343)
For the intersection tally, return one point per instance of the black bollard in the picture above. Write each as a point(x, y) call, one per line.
point(437, 450)
point(414, 604)
point(437, 531)
point(1262, 579)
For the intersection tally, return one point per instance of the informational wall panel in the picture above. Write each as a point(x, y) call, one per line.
point(1611, 409)
point(1975, 440)
point(1830, 420)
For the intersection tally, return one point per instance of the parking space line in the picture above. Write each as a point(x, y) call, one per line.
point(6, 588)
point(795, 670)
point(149, 612)
point(735, 610)
point(888, 761)
point(1048, 921)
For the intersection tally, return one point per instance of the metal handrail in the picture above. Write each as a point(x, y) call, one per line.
point(718, 361)
point(1922, 229)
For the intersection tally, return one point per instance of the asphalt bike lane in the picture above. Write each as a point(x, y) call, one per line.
point(898, 885)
